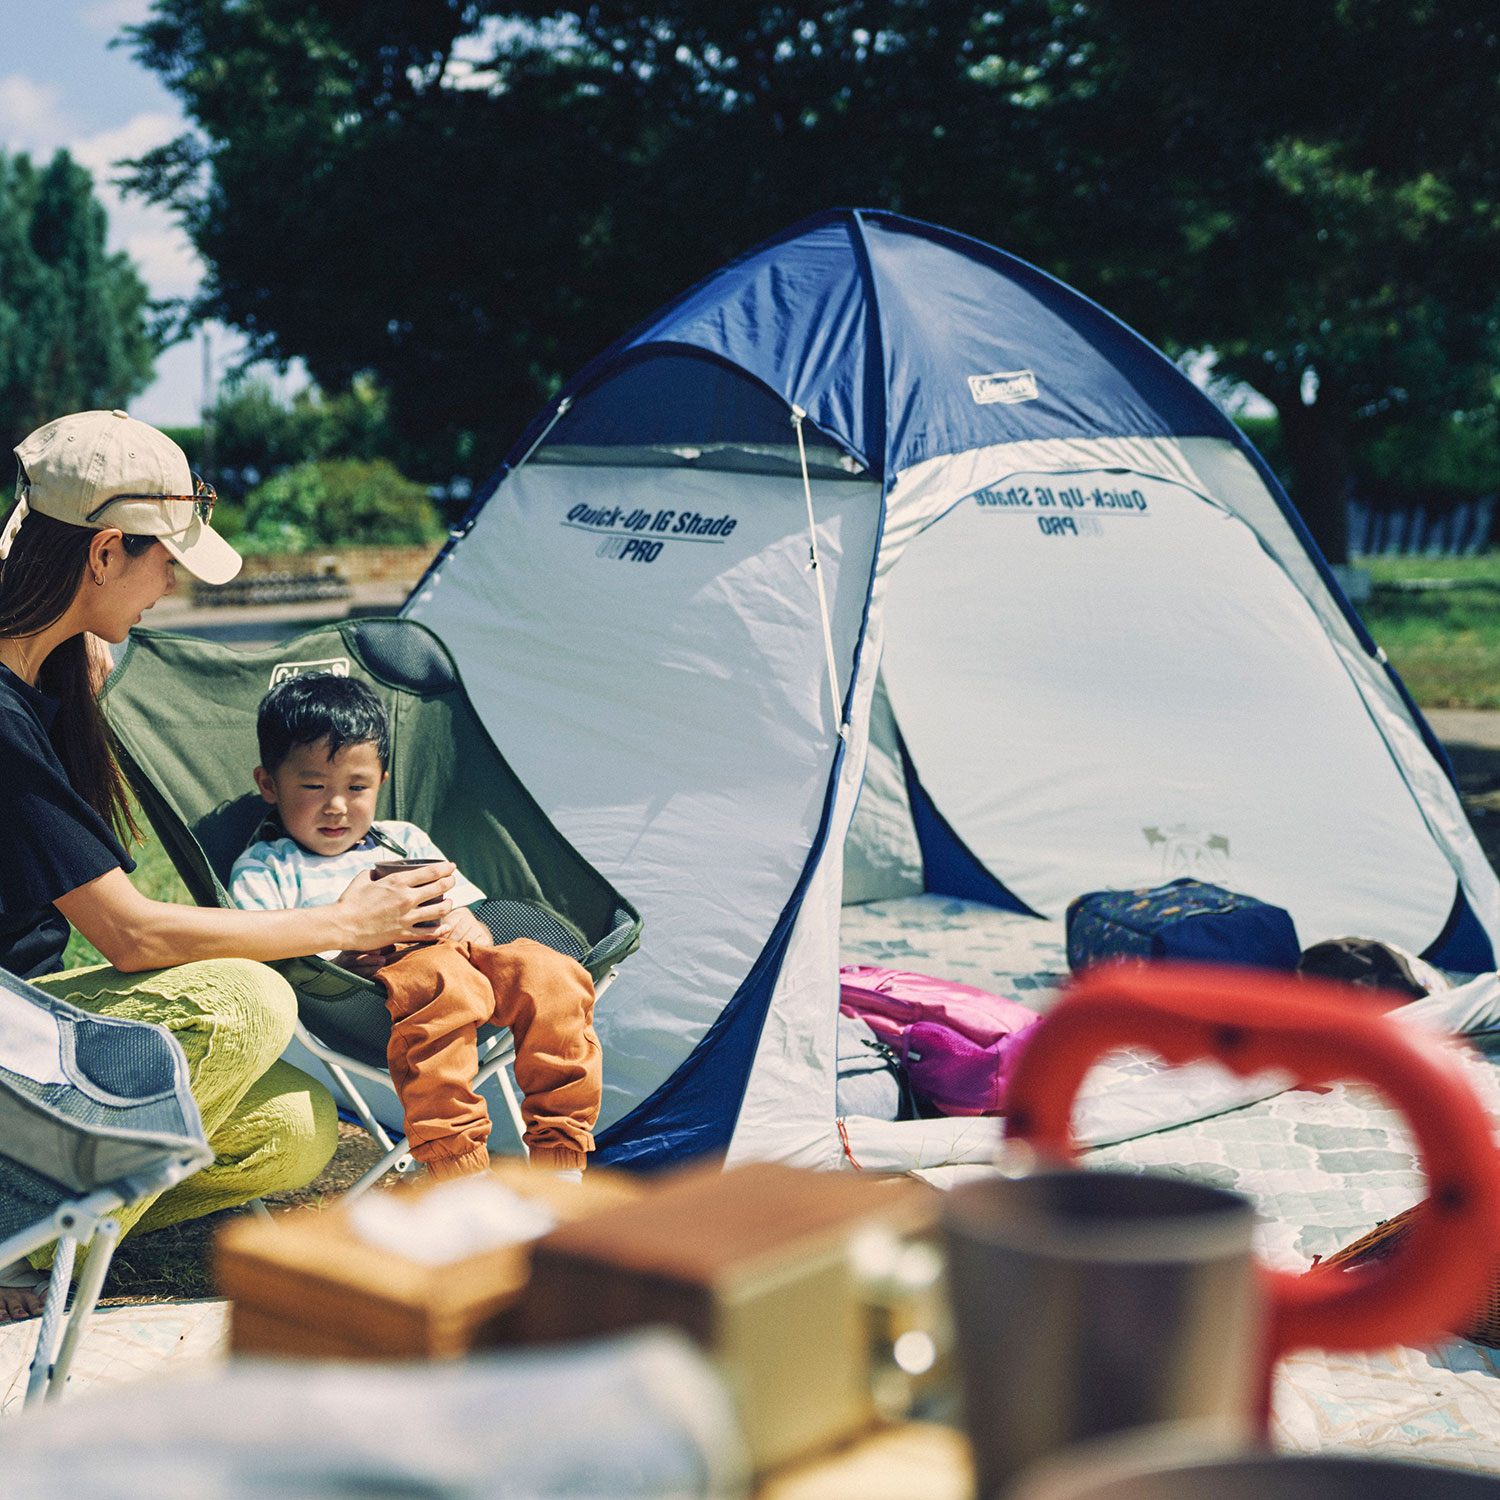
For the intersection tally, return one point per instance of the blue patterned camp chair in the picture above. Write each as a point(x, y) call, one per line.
point(95, 1115)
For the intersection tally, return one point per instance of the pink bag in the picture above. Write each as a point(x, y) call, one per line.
point(957, 1043)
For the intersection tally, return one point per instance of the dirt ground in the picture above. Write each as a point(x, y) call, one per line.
point(174, 1264)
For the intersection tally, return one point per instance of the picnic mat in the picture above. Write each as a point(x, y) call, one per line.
point(1321, 1169)
point(121, 1345)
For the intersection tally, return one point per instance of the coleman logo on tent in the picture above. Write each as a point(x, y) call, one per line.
point(332, 666)
point(1008, 386)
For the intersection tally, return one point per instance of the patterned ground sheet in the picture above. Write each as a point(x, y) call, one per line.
point(1321, 1169)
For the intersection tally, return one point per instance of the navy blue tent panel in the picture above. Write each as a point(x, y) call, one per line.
point(1011, 330)
point(687, 398)
point(1463, 946)
point(904, 341)
point(797, 315)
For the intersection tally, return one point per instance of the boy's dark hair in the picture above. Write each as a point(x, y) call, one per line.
point(1364, 961)
point(317, 706)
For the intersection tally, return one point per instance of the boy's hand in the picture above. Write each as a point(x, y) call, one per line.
point(365, 964)
point(463, 926)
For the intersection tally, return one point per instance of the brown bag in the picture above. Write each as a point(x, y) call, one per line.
point(1483, 1326)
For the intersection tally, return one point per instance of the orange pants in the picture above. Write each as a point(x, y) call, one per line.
point(439, 995)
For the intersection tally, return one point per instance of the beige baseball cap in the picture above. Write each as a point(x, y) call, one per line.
point(104, 468)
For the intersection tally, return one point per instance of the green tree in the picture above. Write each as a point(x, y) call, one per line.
point(1311, 190)
point(256, 434)
point(471, 199)
point(471, 208)
point(74, 326)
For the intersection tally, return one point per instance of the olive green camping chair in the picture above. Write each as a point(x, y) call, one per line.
point(183, 714)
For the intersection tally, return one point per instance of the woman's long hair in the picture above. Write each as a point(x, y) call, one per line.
point(38, 582)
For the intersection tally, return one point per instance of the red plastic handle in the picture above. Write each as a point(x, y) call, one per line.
point(1320, 1032)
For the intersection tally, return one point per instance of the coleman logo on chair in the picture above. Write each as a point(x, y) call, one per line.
point(334, 666)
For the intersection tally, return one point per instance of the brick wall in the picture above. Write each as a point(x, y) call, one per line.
point(357, 564)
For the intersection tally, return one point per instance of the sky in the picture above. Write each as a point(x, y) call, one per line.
point(63, 84)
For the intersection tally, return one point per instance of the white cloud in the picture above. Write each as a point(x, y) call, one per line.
point(32, 117)
point(163, 256)
point(149, 235)
point(138, 134)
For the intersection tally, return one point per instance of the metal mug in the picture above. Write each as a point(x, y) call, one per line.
point(1090, 1302)
point(1165, 1465)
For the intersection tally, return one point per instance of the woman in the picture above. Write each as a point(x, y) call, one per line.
point(106, 507)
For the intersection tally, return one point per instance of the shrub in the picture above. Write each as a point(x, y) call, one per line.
point(337, 502)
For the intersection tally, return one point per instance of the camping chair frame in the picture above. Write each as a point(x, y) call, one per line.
point(95, 1114)
point(540, 886)
point(495, 1053)
point(78, 1223)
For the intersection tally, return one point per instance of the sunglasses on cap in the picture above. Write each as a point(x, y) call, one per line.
point(202, 500)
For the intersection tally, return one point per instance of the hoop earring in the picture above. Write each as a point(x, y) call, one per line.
point(99, 580)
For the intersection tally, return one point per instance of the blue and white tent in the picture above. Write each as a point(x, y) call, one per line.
point(1064, 632)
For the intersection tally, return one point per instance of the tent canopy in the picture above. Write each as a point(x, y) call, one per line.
point(1078, 638)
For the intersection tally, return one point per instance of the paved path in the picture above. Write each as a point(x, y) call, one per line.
point(251, 626)
point(1466, 726)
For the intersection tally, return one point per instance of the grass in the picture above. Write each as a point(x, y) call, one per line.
point(1443, 640)
point(154, 877)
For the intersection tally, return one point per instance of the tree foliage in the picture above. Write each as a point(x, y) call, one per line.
point(469, 199)
point(1329, 180)
point(74, 326)
point(253, 434)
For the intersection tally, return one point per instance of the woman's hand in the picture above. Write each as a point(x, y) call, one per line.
point(406, 906)
point(134, 932)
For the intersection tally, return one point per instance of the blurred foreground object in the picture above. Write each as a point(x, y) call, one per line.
point(761, 1266)
point(1182, 1464)
point(816, 1293)
point(1096, 1296)
point(1087, 1302)
point(309, 1284)
point(642, 1416)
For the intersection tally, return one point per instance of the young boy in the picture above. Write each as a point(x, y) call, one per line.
point(324, 744)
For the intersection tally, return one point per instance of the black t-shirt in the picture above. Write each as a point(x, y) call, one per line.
point(51, 840)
